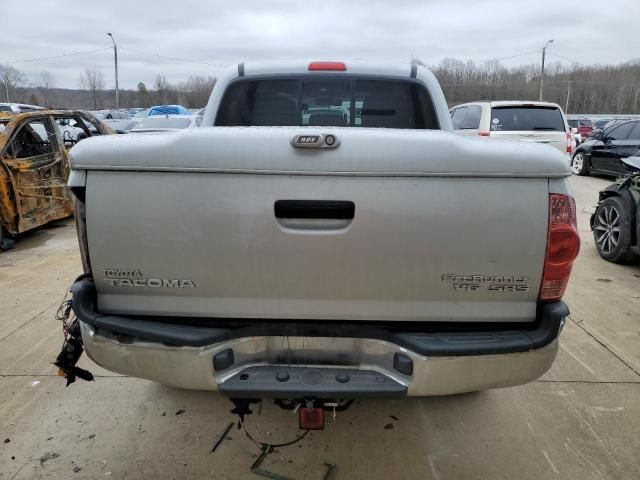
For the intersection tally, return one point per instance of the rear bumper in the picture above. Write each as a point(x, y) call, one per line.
point(323, 360)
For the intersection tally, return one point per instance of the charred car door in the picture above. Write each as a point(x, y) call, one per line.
point(36, 167)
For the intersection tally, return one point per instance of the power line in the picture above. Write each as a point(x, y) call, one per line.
point(173, 58)
point(510, 56)
point(84, 52)
point(71, 54)
point(595, 82)
point(566, 58)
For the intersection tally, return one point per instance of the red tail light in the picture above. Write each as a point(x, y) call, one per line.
point(563, 245)
point(569, 142)
point(483, 134)
point(327, 66)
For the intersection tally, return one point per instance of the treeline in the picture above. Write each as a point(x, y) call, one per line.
point(193, 93)
point(581, 88)
point(612, 89)
point(92, 94)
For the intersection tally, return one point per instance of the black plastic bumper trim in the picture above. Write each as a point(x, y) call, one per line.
point(303, 382)
point(424, 338)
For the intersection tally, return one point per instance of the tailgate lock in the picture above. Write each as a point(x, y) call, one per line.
point(315, 140)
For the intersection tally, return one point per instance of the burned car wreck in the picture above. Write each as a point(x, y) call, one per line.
point(34, 167)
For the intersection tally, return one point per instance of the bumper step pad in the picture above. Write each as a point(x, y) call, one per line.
point(301, 382)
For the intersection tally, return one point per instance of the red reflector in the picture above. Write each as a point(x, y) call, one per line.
point(563, 245)
point(311, 418)
point(483, 134)
point(328, 66)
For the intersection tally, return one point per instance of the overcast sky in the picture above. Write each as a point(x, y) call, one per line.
point(225, 33)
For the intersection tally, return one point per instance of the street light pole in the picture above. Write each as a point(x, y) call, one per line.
point(115, 53)
point(544, 51)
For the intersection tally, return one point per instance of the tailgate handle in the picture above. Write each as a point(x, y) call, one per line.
point(315, 209)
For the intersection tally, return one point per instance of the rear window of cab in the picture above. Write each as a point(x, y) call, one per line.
point(341, 101)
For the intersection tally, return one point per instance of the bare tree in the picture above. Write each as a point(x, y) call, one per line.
point(93, 81)
point(46, 85)
point(605, 89)
point(11, 78)
point(165, 92)
point(195, 92)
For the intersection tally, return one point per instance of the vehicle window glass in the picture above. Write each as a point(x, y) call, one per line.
point(573, 123)
point(5, 108)
point(393, 104)
point(634, 135)
point(260, 103)
point(620, 132)
point(472, 119)
point(458, 117)
point(327, 101)
point(526, 118)
point(34, 138)
point(585, 122)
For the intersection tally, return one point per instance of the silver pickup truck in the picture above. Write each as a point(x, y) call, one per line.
point(325, 236)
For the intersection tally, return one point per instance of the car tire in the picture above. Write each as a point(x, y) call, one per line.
point(580, 164)
point(6, 242)
point(612, 230)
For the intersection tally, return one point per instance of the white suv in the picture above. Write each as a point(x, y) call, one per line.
point(539, 122)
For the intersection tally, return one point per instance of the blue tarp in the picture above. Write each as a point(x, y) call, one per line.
point(168, 110)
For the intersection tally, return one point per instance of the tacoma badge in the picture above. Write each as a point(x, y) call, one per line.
point(118, 277)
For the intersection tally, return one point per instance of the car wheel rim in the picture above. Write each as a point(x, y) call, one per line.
point(607, 229)
point(578, 162)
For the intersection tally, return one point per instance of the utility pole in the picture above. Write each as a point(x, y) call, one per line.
point(544, 51)
point(566, 106)
point(115, 53)
point(6, 89)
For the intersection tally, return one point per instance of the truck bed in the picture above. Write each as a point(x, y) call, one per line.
point(427, 226)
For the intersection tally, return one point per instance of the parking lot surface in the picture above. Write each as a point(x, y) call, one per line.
point(580, 421)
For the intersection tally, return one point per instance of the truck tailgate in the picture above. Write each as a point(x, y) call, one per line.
point(427, 227)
